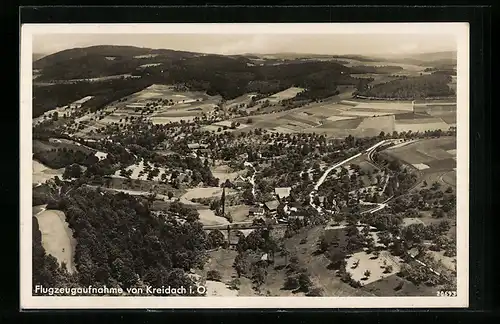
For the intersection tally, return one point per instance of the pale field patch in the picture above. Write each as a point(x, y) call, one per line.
point(150, 65)
point(208, 217)
point(382, 123)
point(137, 168)
point(156, 120)
point(375, 266)
point(225, 173)
point(285, 94)
point(219, 289)
point(145, 56)
point(57, 237)
point(449, 263)
point(421, 127)
point(281, 129)
point(411, 220)
point(362, 113)
point(401, 144)
point(452, 152)
point(397, 106)
point(421, 166)
point(335, 118)
point(207, 192)
point(42, 173)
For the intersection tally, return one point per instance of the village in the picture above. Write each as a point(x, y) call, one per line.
point(272, 191)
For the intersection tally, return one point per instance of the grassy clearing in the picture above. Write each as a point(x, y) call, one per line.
point(389, 287)
point(443, 165)
point(385, 106)
point(57, 237)
point(44, 146)
point(449, 263)
point(285, 94)
point(450, 178)
point(318, 264)
point(369, 262)
point(421, 127)
point(363, 113)
point(384, 123)
point(42, 173)
point(428, 151)
point(208, 217)
point(239, 212)
point(207, 192)
point(411, 116)
point(351, 123)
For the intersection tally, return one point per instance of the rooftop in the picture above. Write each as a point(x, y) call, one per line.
point(282, 192)
point(83, 100)
point(197, 145)
point(272, 205)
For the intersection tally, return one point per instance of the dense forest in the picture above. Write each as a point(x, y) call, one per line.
point(228, 76)
point(385, 69)
point(421, 87)
point(49, 97)
point(121, 243)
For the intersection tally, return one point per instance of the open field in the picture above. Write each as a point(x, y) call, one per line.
point(224, 172)
point(43, 146)
point(318, 265)
point(42, 173)
point(239, 212)
point(449, 263)
point(337, 118)
point(389, 287)
point(428, 151)
point(411, 220)
point(377, 124)
point(219, 289)
point(421, 124)
point(207, 192)
point(376, 266)
point(420, 166)
point(221, 260)
point(57, 237)
point(450, 178)
point(395, 106)
point(208, 217)
point(164, 103)
point(139, 172)
point(285, 94)
point(362, 113)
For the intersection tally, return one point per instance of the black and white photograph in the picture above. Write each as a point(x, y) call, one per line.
point(244, 165)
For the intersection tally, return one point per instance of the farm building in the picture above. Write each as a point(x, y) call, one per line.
point(196, 146)
point(272, 206)
point(282, 193)
point(78, 104)
point(256, 211)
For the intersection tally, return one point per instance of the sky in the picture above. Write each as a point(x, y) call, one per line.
point(331, 44)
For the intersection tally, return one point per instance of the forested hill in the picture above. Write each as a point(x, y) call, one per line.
point(100, 61)
point(120, 243)
point(410, 88)
point(228, 76)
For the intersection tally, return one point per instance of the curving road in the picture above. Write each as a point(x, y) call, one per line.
point(322, 179)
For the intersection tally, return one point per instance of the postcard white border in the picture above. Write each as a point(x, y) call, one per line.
point(458, 30)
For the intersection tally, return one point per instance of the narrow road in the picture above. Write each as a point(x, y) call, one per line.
point(321, 180)
point(252, 178)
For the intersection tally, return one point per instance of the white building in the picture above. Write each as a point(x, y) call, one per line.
point(77, 104)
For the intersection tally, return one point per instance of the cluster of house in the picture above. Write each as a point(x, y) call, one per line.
point(268, 211)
